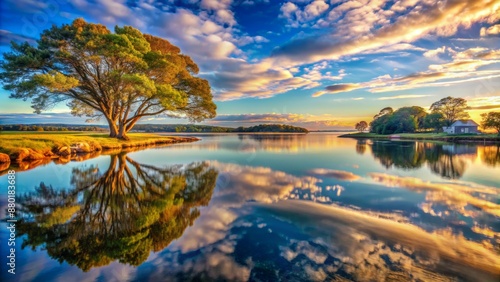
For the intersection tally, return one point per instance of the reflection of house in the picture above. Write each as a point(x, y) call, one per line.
point(457, 149)
point(462, 126)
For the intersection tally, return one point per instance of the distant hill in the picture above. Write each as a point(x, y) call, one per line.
point(155, 128)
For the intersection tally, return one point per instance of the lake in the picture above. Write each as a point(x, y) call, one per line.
point(268, 207)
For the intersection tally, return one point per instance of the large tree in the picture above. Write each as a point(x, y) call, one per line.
point(121, 76)
point(452, 109)
point(491, 120)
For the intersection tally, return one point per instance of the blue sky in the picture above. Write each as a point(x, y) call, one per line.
point(317, 64)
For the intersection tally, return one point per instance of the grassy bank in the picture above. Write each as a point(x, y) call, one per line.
point(36, 145)
point(428, 136)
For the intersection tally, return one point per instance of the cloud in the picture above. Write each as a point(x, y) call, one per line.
point(354, 33)
point(484, 103)
point(6, 37)
point(336, 30)
point(492, 30)
point(434, 53)
point(464, 68)
point(402, 97)
point(487, 107)
point(338, 174)
point(297, 16)
point(337, 88)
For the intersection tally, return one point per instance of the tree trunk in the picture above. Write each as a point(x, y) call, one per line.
point(113, 132)
point(122, 132)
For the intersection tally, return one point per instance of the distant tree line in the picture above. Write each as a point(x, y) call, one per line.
point(180, 128)
point(272, 128)
point(40, 127)
point(208, 128)
point(157, 128)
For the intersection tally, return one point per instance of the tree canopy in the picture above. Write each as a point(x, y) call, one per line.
point(491, 120)
point(361, 126)
point(452, 109)
point(403, 120)
point(121, 76)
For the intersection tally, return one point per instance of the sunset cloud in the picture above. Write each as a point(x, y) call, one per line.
point(492, 30)
point(442, 19)
point(466, 66)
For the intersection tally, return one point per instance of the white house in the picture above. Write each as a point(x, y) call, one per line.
point(462, 127)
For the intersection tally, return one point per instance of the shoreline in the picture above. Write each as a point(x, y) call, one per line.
point(21, 150)
point(490, 139)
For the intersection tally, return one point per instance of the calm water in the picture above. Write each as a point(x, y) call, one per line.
point(263, 208)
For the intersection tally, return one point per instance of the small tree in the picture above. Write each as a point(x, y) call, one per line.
point(361, 126)
point(491, 120)
point(452, 109)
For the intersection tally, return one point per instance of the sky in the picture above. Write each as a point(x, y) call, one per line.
point(317, 64)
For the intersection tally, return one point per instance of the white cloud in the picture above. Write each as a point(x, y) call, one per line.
point(492, 30)
point(434, 53)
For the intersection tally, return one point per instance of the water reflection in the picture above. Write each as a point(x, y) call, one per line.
point(366, 247)
point(329, 212)
point(121, 213)
point(490, 155)
point(449, 161)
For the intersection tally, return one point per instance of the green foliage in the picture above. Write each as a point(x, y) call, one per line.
point(491, 120)
point(403, 120)
point(361, 126)
point(434, 121)
point(452, 109)
point(121, 76)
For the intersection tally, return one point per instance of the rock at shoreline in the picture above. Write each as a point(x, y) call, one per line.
point(80, 147)
point(4, 158)
point(63, 151)
point(4, 166)
point(20, 155)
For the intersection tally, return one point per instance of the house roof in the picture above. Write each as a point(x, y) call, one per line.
point(465, 123)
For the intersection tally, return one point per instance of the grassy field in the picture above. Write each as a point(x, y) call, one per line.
point(427, 136)
point(43, 142)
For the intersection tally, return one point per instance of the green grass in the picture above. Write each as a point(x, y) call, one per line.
point(12, 141)
point(427, 136)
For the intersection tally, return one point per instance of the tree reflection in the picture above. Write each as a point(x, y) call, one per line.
point(121, 214)
point(405, 155)
point(448, 161)
point(361, 146)
point(491, 155)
